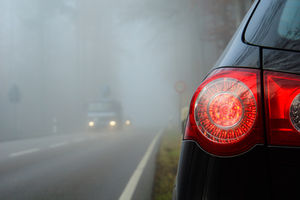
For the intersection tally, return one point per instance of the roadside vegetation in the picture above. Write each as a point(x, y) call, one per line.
point(166, 164)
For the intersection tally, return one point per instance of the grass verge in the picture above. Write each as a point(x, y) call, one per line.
point(166, 165)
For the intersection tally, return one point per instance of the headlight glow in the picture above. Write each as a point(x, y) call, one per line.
point(127, 122)
point(91, 124)
point(112, 123)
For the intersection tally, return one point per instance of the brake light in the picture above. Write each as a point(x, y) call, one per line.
point(225, 116)
point(282, 100)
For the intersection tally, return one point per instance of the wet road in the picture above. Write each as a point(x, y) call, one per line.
point(79, 166)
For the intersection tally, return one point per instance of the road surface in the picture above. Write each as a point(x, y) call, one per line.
point(78, 166)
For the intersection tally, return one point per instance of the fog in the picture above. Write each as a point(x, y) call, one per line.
point(86, 86)
point(58, 56)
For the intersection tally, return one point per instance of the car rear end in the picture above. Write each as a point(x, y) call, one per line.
point(242, 135)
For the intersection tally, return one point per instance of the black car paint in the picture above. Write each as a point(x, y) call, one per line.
point(202, 176)
point(280, 60)
point(264, 172)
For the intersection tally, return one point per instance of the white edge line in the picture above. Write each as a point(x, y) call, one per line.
point(20, 153)
point(134, 179)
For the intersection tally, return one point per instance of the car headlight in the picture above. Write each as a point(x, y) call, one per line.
point(128, 122)
point(112, 123)
point(91, 124)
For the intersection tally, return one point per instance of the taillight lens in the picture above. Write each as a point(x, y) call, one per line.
point(295, 113)
point(225, 112)
point(282, 100)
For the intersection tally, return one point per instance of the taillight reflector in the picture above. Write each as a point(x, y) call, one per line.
point(225, 116)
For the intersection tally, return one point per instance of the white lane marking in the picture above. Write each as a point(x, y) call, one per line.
point(58, 144)
point(20, 153)
point(134, 179)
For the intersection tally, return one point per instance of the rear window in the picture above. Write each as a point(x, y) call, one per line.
point(276, 24)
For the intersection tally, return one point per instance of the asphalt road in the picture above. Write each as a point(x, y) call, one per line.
point(78, 166)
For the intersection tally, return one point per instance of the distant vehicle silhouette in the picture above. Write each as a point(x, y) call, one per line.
point(104, 114)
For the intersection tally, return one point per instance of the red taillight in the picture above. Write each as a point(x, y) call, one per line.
point(225, 116)
point(225, 110)
point(282, 100)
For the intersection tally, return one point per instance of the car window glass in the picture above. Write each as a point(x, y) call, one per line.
point(289, 25)
point(275, 24)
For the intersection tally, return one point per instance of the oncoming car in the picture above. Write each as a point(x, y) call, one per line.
point(104, 114)
point(242, 135)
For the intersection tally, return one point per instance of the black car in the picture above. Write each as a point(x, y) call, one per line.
point(242, 136)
